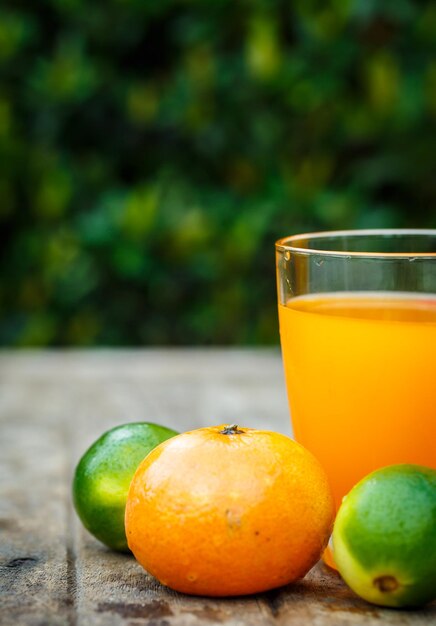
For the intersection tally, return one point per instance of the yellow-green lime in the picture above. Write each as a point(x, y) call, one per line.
point(102, 478)
point(384, 538)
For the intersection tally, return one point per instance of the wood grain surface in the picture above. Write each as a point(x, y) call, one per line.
point(53, 405)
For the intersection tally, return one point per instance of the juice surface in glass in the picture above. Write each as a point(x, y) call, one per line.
point(361, 376)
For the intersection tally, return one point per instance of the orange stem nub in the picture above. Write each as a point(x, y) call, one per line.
point(231, 430)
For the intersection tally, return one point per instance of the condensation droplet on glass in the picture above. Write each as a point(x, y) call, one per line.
point(412, 258)
point(319, 262)
point(287, 256)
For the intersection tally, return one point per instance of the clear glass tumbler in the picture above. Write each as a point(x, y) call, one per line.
point(357, 312)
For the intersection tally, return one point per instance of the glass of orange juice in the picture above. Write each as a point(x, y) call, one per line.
point(357, 313)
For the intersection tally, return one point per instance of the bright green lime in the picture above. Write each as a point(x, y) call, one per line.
point(103, 476)
point(384, 538)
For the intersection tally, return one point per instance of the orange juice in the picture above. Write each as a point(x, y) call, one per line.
point(361, 378)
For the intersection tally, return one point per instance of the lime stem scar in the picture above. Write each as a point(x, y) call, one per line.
point(386, 583)
point(231, 430)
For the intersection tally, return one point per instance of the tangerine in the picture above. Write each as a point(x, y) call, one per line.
point(224, 511)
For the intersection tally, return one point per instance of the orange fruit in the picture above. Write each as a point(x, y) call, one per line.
point(227, 511)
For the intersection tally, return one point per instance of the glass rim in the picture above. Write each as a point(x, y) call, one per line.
point(290, 243)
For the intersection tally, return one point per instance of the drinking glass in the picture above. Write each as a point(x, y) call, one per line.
point(357, 313)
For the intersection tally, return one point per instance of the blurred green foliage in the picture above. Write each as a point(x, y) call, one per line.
point(152, 152)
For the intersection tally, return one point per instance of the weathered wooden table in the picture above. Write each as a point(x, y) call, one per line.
point(52, 406)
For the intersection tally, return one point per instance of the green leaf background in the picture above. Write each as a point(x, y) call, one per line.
point(152, 152)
